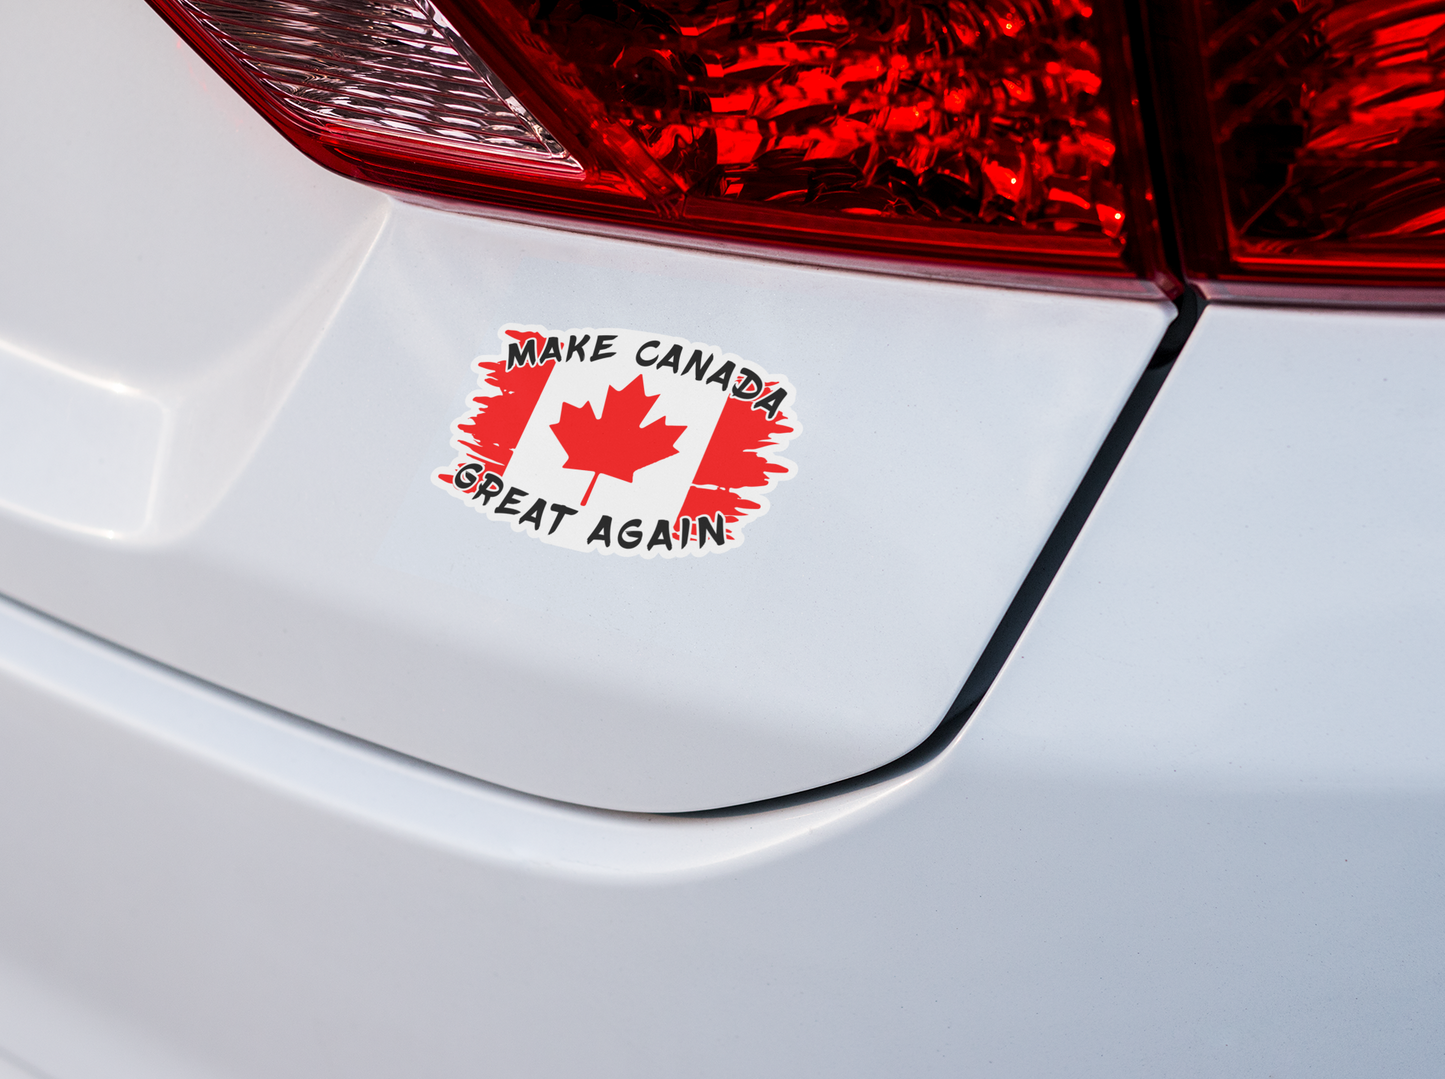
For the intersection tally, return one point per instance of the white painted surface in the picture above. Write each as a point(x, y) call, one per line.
point(12, 1069)
point(1194, 830)
point(79, 451)
point(312, 339)
point(1273, 539)
point(143, 247)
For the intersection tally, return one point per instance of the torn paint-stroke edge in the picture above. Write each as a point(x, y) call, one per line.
point(489, 432)
point(742, 463)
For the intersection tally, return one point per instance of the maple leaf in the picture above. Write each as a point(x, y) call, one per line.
point(615, 442)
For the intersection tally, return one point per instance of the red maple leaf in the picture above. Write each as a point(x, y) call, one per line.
point(618, 444)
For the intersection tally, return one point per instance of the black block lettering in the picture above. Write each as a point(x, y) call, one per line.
point(561, 511)
point(723, 376)
point(771, 403)
point(661, 534)
point(646, 345)
point(467, 476)
point(697, 364)
point(489, 488)
point(516, 494)
point(578, 348)
point(604, 341)
point(706, 527)
point(602, 532)
point(518, 356)
point(674, 354)
point(533, 516)
point(751, 386)
point(630, 534)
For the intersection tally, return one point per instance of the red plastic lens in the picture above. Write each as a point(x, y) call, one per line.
point(827, 116)
point(1327, 157)
point(968, 131)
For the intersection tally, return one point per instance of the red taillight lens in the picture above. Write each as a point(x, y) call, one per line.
point(964, 132)
point(1325, 161)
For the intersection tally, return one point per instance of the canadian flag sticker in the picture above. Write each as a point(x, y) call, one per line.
point(621, 441)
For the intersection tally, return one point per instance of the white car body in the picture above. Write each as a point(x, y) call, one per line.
point(306, 769)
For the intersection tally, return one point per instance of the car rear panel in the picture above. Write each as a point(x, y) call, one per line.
point(1192, 830)
point(244, 374)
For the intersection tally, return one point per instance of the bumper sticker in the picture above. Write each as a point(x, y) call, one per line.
point(621, 441)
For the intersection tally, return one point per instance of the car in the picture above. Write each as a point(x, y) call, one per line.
point(587, 538)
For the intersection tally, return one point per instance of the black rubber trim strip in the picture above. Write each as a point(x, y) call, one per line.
point(1035, 584)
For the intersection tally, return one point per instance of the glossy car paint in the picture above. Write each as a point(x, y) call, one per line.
point(1192, 830)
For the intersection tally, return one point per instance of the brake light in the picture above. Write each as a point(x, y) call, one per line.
point(1324, 161)
point(946, 134)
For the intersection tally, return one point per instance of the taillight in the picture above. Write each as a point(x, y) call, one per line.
point(948, 134)
point(1307, 139)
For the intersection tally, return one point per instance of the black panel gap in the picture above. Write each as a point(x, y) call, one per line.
point(1035, 584)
